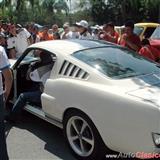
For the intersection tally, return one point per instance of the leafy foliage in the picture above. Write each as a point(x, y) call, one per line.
point(95, 11)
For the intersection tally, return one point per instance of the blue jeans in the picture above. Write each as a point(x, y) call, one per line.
point(31, 97)
point(3, 148)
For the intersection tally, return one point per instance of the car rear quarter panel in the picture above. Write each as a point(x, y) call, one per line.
point(124, 124)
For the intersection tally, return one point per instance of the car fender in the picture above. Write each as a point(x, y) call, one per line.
point(125, 124)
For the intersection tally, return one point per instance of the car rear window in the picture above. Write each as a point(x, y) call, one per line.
point(156, 33)
point(116, 62)
point(148, 32)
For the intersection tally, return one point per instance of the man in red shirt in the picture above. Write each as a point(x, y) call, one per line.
point(149, 51)
point(109, 34)
point(129, 39)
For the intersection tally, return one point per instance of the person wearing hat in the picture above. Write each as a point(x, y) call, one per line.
point(83, 30)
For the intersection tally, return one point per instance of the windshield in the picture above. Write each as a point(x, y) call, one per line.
point(138, 30)
point(156, 33)
point(116, 63)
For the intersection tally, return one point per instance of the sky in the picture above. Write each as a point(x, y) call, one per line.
point(74, 4)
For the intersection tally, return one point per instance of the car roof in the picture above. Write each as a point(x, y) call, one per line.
point(149, 24)
point(69, 46)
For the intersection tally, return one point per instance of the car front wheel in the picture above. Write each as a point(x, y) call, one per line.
point(82, 136)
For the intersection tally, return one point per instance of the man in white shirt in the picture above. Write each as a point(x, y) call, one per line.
point(19, 40)
point(4, 89)
point(67, 33)
point(38, 72)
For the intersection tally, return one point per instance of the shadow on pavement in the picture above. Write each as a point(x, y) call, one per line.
point(51, 135)
point(48, 133)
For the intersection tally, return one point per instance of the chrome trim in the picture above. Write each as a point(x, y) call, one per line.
point(15, 85)
point(39, 113)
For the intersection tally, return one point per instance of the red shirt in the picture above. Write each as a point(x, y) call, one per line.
point(109, 38)
point(150, 52)
point(132, 38)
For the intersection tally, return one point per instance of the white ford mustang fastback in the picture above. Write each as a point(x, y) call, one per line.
point(102, 95)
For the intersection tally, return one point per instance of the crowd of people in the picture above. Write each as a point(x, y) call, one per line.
point(15, 38)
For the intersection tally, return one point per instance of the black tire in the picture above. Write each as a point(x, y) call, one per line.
point(95, 149)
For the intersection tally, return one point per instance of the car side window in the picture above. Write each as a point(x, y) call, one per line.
point(148, 32)
point(34, 56)
point(28, 64)
point(43, 63)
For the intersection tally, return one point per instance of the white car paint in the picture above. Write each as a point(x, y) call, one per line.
point(124, 116)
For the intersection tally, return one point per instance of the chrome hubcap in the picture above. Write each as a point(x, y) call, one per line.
point(80, 136)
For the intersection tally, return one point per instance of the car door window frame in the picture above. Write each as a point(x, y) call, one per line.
point(18, 64)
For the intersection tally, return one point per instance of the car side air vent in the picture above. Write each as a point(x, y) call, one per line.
point(71, 70)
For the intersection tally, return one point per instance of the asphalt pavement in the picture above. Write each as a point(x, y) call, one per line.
point(35, 139)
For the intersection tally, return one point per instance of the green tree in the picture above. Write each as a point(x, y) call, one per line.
point(55, 8)
point(98, 11)
point(121, 10)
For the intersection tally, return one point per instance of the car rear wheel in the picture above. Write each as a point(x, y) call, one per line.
point(82, 136)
